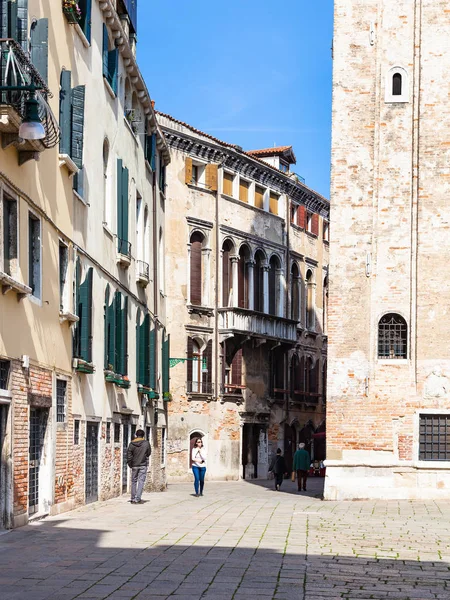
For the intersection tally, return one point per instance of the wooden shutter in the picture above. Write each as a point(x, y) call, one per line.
point(211, 176)
point(85, 21)
point(259, 197)
point(110, 334)
point(207, 377)
point(78, 182)
point(188, 170)
point(124, 317)
point(78, 99)
point(301, 216)
point(152, 356)
point(228, 184)
point(119, 333)
point(139, 348)
point(125, 208)
point(153, 152)
point(119, 197)
point(196, 270)
point(273, 203)
point(65, 112)
point(243, 190)
point(105, 52)
point(85, 315)
point(165, 364)
point(236, 368)
point(113, 64)
point(39, 47)
point(190, 354)
point(146, 343)
point(315, 224)
point(15, 21)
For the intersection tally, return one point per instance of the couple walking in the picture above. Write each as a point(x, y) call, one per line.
point(300, 468)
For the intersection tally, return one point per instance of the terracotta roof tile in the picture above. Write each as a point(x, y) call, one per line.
point(269, 151)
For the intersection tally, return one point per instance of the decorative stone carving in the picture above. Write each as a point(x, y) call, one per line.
point(436, 385)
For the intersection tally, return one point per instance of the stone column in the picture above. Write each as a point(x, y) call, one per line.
point(265, 269)
point(249, 467)
point(235, 280)
point(251, 284)
point(279, 309)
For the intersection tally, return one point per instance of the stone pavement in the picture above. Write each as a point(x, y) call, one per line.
point(241, 540)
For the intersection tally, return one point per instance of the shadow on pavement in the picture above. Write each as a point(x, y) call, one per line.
point(315, 486)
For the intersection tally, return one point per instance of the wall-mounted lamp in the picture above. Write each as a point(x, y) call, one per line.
point(31, 127)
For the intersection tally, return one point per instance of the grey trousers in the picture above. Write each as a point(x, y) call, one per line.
point(138, 476)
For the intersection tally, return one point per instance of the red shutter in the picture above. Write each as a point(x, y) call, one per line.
point(301, 216)
point(190, 347)
point(236, 368)
point(315, 224)
point(196, 270)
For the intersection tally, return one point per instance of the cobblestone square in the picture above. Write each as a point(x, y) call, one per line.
point(239, 541)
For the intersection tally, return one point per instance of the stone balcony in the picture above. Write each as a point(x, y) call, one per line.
point(241, 321)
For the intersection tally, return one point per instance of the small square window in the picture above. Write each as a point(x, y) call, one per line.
point(76, 432)
point(4, 374)
point(434, 437)
point(61, 392)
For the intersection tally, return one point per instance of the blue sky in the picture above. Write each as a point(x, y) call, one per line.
point(250, 72)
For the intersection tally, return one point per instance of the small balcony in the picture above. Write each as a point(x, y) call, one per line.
point(232, 392)
point(199, 388)
point(18, 77)
point(123, 252)
point(256, 324)
point(142, 273)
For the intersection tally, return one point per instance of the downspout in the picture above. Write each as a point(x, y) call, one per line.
point(216, 299)
point(286, 294)
point(155, 273)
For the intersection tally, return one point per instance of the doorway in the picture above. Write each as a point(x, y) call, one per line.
point(91, 462)
point(125, 442)
point(290, 444)
point(4, 409)
point(38, 428)
point(251, 436)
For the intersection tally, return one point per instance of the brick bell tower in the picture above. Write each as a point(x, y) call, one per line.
point(388, 411)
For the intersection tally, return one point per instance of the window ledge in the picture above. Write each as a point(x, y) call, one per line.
point(200, 310)
point(312, 235)
point(82, 366)
point(393, 361)
point(131, 130)
point(109, 88)
point(5, 396)
point(80, 198)
point(66, 315)
point(86, 43)
point(107, 230)
point(200, 188)
point(8, 283)
point(65, 160)
point(148, 166)
point(200, 396)
point(124, 260)
point(297, 227)
point(311, 333)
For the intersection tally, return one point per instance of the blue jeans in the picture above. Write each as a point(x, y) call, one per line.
point(199, 478)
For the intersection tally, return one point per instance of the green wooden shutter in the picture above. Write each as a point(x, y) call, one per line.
point(138, 346)
point(76, 337)
point(112, 333)
point(125, 178)
point(78, 182)
point(22, 23)
point(152, 353)
point(78, 99)
point(113, 66)
point(39, 47)
point(65, 111)
point(165, 364)
point(15, 21)
point(124, 344)
point(119, 333)
point(105, 51)
point(86, 317)
point(85, 21)
point(153, 152)
point(190, 354)
point(146, 344)
point(119, 197)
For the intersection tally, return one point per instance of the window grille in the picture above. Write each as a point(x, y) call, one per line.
point(434, 437)
point(4, 374)
point(76, 432)
point(392, 337)
point(108, 433)
point(117, 433)
point(61, 388)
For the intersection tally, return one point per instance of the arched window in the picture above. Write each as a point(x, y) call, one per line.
point(196, 279)
point(196, 367)
point(397, 84)
point(392, 337)
point(258, 288)
point(295, 293)
point(274, 287)
point(244, 256)
point(227, 275)
point(310, 314)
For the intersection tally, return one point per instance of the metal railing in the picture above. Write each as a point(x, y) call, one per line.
point(230, 389)
point(124, 247)
point(199, 387)
point(143, 269)
point(17, 70)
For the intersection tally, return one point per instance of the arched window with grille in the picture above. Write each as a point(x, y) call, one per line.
point(258, 287)
point(392, 337)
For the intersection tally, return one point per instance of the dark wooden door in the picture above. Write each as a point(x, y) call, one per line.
point(91, 481)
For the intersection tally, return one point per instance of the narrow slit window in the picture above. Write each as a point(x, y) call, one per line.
point(397, 84)
point(34, 255)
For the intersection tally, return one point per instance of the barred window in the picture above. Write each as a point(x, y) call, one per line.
point(117, 433)
point(76, 432)
point(4, 374)
point(434, 437)
point(61, 389)
point(108, 433)
point(392, 337)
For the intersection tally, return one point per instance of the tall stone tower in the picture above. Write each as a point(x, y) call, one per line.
point(388, 412)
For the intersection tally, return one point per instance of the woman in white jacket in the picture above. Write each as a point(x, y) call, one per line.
point(198, 466)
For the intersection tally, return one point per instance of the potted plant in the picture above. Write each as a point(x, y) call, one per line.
point(72, 11)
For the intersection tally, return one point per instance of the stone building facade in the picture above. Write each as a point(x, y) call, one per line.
point(388, 411)
point(84, 350)
point(246, 281)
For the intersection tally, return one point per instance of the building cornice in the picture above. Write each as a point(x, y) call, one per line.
point(248, 237)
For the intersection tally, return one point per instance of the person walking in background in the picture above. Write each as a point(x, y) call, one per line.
point(301, 464)
point(278, 468)
point(199, 466)
point(137, 459)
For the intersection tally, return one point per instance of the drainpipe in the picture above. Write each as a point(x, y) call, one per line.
point(216, 297)
point(155, 273)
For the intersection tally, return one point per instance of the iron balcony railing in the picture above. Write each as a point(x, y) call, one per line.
point(199, 387)
point(258, 324)
point(17, 71)
point(124, 247)
point(143, 269)
point(229, 389)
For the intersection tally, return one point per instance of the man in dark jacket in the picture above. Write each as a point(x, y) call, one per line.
point(278, 467)
point(137, 459)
